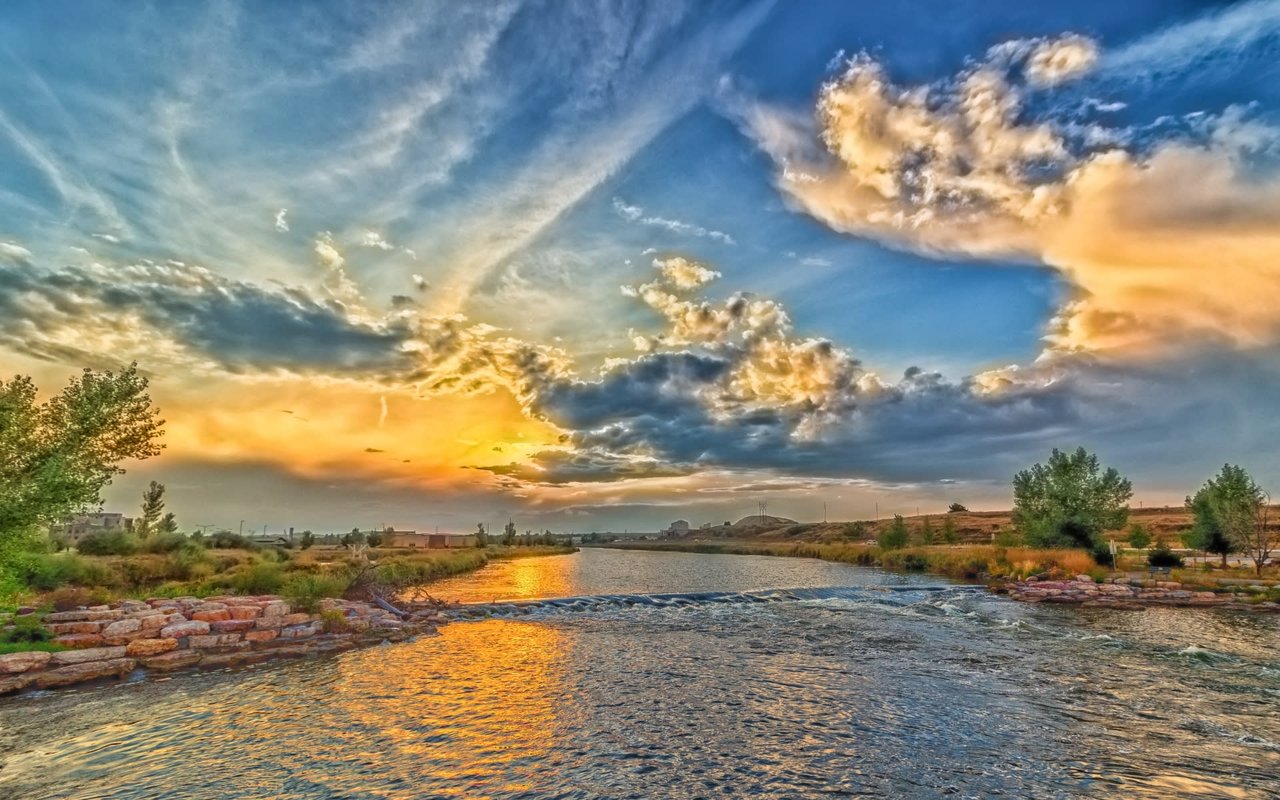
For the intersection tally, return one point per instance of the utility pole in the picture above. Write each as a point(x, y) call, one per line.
point(824, 512)
point(242, 527)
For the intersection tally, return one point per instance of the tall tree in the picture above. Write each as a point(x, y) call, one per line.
point(1206, 532)
point(1070, 501)
point(509, 533)
point(1239, 509)
point(57, 456)
point(152, 509)
point(168, 523)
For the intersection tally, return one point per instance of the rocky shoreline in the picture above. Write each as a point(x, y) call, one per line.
point(132, 637)
point(1131, 593)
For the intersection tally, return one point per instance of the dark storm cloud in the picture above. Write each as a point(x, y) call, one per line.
point(239, 326)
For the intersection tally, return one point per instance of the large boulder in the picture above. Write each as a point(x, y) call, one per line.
point(177, 630)
point(260, 636)
point(231, 625)
point(23, 662)
point(121, 631)
point(78, 640)
point(66, 657)
point(213, 640)
point(76, 673)
point(150, 647)
point(175, 659)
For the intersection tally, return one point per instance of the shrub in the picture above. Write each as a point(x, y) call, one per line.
point(1008, 537)
point(1162, 556)
point(225, 540)
point(108, 543)
point(44, 572)
point(26, 628)
point(261, 577)
point(1138, 537)
point(69, 598)
point(895, 536)
point(856, 531)
point(956, 508)
point(306, 591)
point(165, 542)
point(335, 621)
point(189, 563)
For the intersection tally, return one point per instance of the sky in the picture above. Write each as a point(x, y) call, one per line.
point(603, 265)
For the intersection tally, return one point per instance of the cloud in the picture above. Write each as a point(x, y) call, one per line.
point(282, 220)
point(961, 169)
point(16, 253)
point(374, 240)
point(636, 214)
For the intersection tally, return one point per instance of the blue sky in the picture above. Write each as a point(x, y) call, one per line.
point(470, 185)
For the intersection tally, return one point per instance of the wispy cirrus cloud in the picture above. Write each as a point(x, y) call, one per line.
point(633, 213)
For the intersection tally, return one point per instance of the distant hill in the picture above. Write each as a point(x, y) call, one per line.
point(970, 526)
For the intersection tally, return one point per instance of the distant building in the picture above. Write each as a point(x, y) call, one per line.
point(678, 528)
point(75, 528)
point(271, 540)
point(435, 541)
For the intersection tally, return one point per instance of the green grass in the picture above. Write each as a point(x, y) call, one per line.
point(27, 647)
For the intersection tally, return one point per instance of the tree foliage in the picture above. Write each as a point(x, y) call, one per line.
point(895, 536)
point(152, 508)
point(956, 508)
point(57, 456)
point(306, 540)
point(1070, 501)
point(1231, 515)
point(1138, 537)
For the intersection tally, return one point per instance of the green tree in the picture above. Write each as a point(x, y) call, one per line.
point(1237, 507)
point(1138, 537)
point(894, 536)
point(1070, 501)
point(168, 523)
point(509, 533)
point(57, 456)
point(482, 536)
point(956, 508)
point(306, 540)
point(152, 510)
point(1206, 532)
point(926, 531)
point(374, 539)
point(949, 531)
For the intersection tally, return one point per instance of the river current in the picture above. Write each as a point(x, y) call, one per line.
point(668, 675)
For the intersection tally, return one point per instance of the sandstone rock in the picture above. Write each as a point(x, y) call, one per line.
point(212, 615)
point(176, 659)
point(179, 629)
point(66, 657)
point(78, 640)
point(150, 647)
point(213, 640)
point(295, 619)
point(268, 623)
point(66, 616)
point(23, 662)
point(160, 620)
point(1084, 579)
point(261, 636)
point(75, 673)
point(245, 612)
point(60, 628)
point(120, 629)
point(231, 625)
point(275, 608)
point(14, 683)
point(300, 631)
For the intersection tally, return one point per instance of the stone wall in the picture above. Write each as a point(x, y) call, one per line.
point(1125, 593)
point(169, 634)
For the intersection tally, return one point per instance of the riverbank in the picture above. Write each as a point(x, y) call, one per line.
point(1024, 574)
point(49, 643)
point(133, 638)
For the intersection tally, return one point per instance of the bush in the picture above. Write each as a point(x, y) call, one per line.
point(262, 577)
point(44, 572)
point(108, 543)
point(305, 592)
point(165, 542)
point(26, 628)
point(188, 563)
point(1008, 537)
point(1138, 537)
point(225, 540)
point(856, 531)
point(70, 598)
point(335, 621)
point(1162, 556)
point(956, 508)
point(895, 536)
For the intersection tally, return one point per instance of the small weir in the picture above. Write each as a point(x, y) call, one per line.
point(513, 608)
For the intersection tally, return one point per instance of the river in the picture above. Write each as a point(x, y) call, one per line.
point(690, 676)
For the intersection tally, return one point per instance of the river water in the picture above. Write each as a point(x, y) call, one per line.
point(696, 676)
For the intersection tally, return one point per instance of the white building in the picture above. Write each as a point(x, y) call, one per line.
point(678, 528)
point(75, 528)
